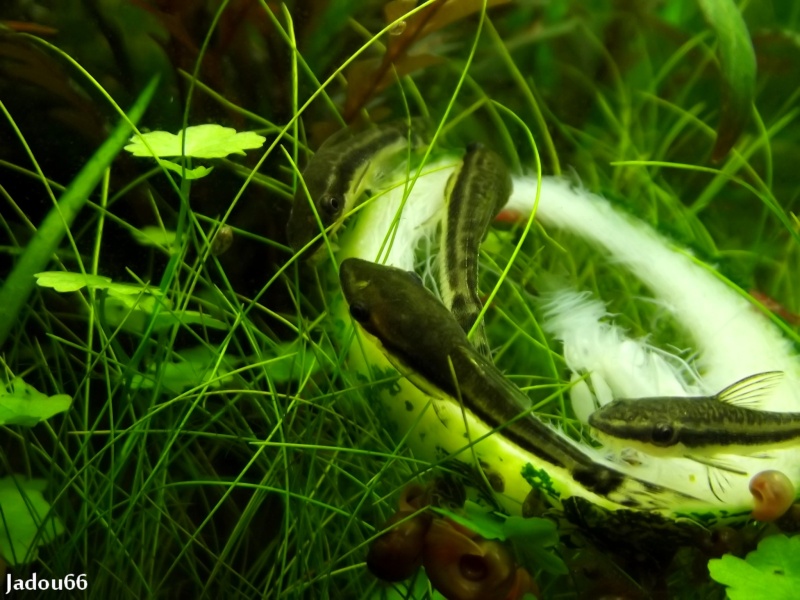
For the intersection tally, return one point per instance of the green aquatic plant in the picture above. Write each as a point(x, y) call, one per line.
point(26, 520)
point(23, 404)
point(770, 571)
point(533, 539)
point(737, 62)
point(198, 141)
point(132, 307)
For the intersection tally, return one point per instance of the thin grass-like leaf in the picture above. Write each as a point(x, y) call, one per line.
point(738, 68)
point(14, 293)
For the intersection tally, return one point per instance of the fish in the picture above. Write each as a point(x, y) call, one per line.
point(475, 194)
point(700, 426)
point(423, 339)
point(338, 174)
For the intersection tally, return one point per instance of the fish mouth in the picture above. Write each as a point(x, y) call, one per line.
point(308, 246)
point(297, 231)
point(347, 277)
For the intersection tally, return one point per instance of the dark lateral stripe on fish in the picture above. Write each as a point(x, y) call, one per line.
point(723, 435)
point(481, 188)
point(356, 155)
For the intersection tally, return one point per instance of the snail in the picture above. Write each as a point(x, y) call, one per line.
point(464, 567)
point(459, 563)
point(773, 494)
point(397, 554)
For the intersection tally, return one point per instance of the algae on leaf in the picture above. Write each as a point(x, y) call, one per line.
point(24, 520)
point(22, 404)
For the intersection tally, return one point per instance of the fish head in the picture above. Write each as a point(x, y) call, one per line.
point(379, 297)
point(317, 197)
point(394, 306)
point(648, 423)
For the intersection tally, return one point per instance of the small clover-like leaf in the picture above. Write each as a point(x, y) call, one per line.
point(155, 236)
point(771, 571)
point(62, 281)
point(202, 141)
point(192, 367)
point(23, 404)
point(285, 365)
point(476, 518)
point(541, 531)
point(195, 173)
point(25, 519)
point(133, 313)
point(534, 539)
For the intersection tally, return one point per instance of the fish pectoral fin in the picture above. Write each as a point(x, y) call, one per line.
point(360, 183)
point(631, 456)
point(749, 391)
point(438, 409)
point(717, 463)
point(716, 473)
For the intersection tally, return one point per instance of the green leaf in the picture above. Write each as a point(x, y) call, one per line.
point(202, 141)
point(533, 540)
point(64, 281)
point(22, 404)
point(738, 66)
point(127, 304)
point(485, 523)
point(133, 314)
point(155, 236)
point(25, 522)
point(192, 367)
point(542, 532)
point(195, 173)
point(772, 571)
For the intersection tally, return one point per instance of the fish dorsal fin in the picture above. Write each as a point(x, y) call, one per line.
point(748, 392)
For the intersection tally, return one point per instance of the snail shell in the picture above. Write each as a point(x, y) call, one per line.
point(461, 568)
point(413, 497)
point(397, 554)
point(773, 494)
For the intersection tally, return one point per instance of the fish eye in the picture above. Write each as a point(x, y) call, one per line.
point(663, 434)
point(331, 205)
point(359, 312)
